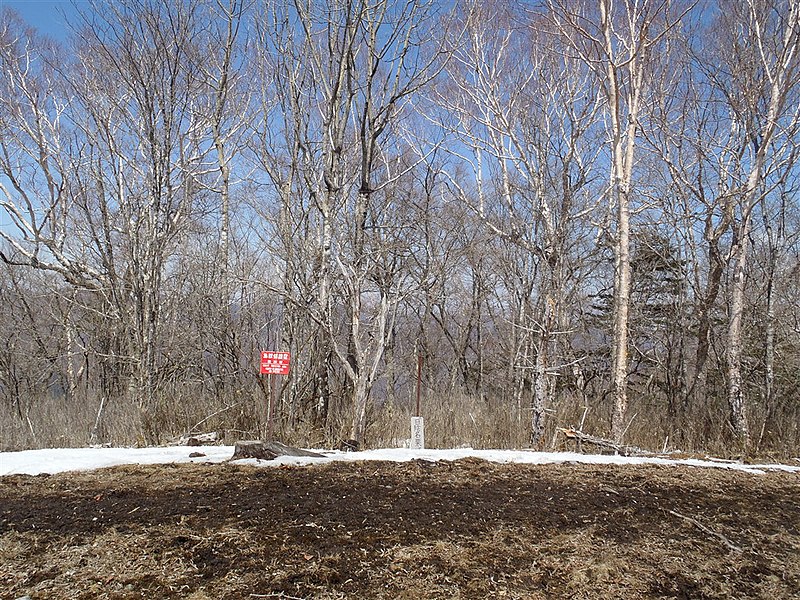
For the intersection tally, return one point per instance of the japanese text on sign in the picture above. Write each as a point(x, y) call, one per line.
point(275, 363)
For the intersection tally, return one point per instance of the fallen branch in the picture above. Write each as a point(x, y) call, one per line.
point(580, 437)
point(730, 545)
point(212, 415)
point(200, 439)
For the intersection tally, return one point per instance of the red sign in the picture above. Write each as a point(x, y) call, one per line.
point(275, 363)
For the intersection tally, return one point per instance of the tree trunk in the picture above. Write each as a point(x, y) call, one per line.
point(622, 291)
point(622, 152)
point(543, 387)
point(541, 394)
point(358, 426)
point(736, 400)
point(769, 346)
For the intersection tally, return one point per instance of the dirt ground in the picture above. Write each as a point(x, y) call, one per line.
point(466, 529)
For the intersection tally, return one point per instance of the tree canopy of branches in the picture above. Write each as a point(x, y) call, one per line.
point(569, 213)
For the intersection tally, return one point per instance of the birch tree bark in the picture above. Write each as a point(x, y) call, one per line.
point(774, 30)
point(729, 141)
point(618, 42)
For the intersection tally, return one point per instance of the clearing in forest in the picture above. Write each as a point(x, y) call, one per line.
point(419, 529)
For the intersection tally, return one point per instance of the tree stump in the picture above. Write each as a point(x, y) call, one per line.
point(253, 449)
point(349, 446)
point(268, 450)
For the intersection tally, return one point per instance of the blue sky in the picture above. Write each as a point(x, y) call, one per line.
point(48, 16)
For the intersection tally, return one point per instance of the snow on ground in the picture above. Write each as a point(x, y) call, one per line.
point(35, 462)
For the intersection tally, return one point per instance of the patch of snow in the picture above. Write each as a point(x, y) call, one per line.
point(35, 462)
point(57, 460)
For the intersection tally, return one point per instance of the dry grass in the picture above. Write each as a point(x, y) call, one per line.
point(451, 421)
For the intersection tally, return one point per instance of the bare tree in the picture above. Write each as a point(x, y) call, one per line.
point(779, 238)
point(363, 61)
point(619, 41)
point(105, 210)
point(514, 108)
point(770, 123)
point(35, 158)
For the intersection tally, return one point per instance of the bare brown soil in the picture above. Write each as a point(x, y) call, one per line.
point(468, 529)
